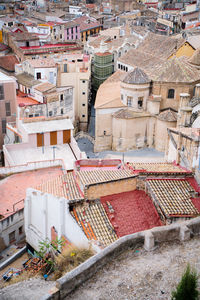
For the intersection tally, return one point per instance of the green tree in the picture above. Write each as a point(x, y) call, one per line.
point(187, 287)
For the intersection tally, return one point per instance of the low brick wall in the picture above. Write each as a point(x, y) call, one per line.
point(180, 231)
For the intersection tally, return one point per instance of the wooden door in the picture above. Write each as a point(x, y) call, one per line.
point(40, 139)
point(53, 138)
point(66, 137)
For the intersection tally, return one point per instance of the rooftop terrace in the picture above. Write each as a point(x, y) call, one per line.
point(13, 188)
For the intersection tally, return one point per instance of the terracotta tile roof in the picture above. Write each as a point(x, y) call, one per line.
point(160, 46)
point(87, 23)
point(195, 58)
point(42, 63)
point(131, 212)
point(128, 113)
point(13, 188)
point(176, 70)
point(157, 167)
point(94, 221)
point(8, 62)
point(27, 80)
point(144, 61)
point(24, 36)
point(23, 98)
point(136, 76)
point(96, 176)
point(62, 186)
point(44, 87)
point(168, 115)
point(173, 196)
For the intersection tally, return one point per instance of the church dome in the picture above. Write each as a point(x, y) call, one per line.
point(137, 76)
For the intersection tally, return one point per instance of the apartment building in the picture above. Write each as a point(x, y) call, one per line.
point(7, 103)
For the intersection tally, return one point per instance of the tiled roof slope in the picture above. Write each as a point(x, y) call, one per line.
point(62, 186)
point(94, 222)
point(137, 76)
point(97, 176)
point(168, 115)
point(128, 113)
point(173, 196)
point(176, 70)
point(160, 46)
point(8, 62)
point(195, 58)
point(131, 212)
point(157, 167)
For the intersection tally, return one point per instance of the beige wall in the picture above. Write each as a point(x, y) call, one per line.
point(110, 188)
point(132, 133)
point(103, 122)
point(81, 93)
point(162, 89)
point(161, 134)
point(9, 96)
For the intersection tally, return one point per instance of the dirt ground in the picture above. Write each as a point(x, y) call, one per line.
point(142, 275)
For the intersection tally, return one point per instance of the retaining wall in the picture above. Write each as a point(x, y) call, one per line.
point(149, 238)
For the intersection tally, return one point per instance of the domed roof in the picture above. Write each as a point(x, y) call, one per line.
point(195, 58)
point(137, 76)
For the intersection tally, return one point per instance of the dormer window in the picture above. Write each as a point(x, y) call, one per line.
point(171, 93)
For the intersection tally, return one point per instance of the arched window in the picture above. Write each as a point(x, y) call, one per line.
point(171, 93)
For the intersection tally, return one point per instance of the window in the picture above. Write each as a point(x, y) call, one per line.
point(83, 116)
point(126, 69)
point(61, 111)
point(171, 93)
point(1, 92)
point(61, 97)
point(119, 54)
point(50, 113)
point(83, 81)
point(20, 230)
point(36, 115)
point(11, 218)
point(3, 124)
point(140, 102)
point(76, 29)
point(122, 97)
point(8, 112)
point(129, 101)
point(60, 36)
point(38, 75)
point(83, 93)
point(12, 237)
point(83, 104)
point(118, 66)
point(30, 116)
point(65, 68)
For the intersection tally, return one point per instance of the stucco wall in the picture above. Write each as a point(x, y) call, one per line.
point(161, 134)
point(42, 212)
point(109, 188)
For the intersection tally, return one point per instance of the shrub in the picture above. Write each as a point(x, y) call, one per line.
point(187, 287)
point(70, 259)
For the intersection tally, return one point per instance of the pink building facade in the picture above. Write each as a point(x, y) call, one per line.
point(72, 31)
